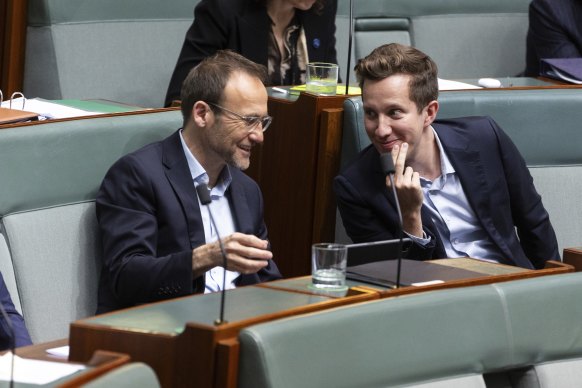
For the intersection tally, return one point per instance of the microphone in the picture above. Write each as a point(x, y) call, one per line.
point(351, 32)
point(204, 195)
point(12, 335)
point(388, 168)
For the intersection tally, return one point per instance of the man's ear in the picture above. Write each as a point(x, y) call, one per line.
point(201, 114)
point(431, 112)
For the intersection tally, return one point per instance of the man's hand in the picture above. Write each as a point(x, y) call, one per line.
point(244, 253)
point(410, 196)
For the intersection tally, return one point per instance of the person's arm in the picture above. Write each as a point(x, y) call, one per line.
point(126, 211)
point(367, 223)
point(207, 34)
point(536, 234)
point(19, 330)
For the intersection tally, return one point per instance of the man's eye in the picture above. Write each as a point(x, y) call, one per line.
point(252, 120)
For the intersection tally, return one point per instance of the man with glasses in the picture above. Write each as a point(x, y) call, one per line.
point(158, 240)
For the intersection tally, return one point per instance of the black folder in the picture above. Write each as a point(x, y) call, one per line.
point(563, 69)
point(383, 273)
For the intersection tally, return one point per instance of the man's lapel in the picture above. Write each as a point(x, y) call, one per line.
point(178, 174)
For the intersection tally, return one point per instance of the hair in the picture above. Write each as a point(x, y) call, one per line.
point(206, 81)
point(394, 58)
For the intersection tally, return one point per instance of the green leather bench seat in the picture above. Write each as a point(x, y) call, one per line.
point(49, 243)
point(446, 338)
point(466, 38)
point(121, 50)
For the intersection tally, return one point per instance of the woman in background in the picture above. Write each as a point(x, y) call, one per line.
point(283, 35)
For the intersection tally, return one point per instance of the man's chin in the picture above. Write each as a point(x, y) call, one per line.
point(241, 164)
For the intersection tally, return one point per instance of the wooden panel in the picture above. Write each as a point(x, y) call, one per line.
point(287, 168)
point(573, 256)
point(13, 44)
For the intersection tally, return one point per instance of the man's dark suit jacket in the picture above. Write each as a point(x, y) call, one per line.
point(21, 336)
point(555, 31)
point(150, 221)
point(494, 177)
point(243, 26)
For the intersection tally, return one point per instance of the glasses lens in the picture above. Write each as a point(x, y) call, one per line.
point(265, 122)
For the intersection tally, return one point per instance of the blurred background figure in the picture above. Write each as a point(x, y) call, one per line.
point(283, 35)
point(555, 31)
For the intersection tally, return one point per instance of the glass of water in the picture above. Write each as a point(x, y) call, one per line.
point(321, 78)
point(329, 263)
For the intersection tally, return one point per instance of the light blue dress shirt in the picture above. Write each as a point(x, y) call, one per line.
point(222, 214)
point(456, 224)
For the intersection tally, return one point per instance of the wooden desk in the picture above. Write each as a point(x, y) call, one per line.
point(179, 339)
point(295, 168)
point(491, 273)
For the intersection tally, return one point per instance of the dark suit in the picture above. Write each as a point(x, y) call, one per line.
point(21, 336)
point(555, 31)
point(496, 182)
point(150, 221)
point(243, 26)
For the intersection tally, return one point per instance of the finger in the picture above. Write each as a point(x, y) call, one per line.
point(249, 240)
point(245, 266)
point(236, 244)
point(400, 163)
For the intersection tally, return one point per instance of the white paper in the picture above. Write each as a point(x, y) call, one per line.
point(47, 109)
point(62, 351)
point(445, 84)
point(29, 371)
point(428, 283)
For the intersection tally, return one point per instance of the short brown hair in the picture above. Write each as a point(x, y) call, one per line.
point(206, 81)
point(394, 58)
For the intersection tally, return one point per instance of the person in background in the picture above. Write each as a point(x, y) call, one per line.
point(158, 241)
point(283, 35)
point(16, 326)
point(463, 187)
point(555, 31)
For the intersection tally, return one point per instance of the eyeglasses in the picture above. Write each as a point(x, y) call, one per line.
point(250, 121)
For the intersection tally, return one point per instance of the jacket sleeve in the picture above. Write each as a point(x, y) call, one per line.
point(532, 222)
point(126, 211)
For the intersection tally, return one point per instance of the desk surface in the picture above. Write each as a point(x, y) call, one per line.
point(170, 318)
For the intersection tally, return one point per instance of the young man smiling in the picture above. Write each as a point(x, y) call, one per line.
point(463, 187)
point(158, 240)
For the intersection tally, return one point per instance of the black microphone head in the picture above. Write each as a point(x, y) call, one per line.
point(387, 163)
point(203, 193)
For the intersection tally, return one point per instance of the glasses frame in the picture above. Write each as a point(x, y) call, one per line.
point(250, 121)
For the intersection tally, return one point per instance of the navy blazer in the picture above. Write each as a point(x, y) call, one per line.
point(21, 336)
point(244, 26)
point(150, 222)
point(555, 31)
point(495, 179)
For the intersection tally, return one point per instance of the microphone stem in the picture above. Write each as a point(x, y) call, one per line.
point(399, 264)
point(222, 299)
point(351, 31)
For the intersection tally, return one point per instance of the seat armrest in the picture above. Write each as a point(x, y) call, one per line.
point(573, 256)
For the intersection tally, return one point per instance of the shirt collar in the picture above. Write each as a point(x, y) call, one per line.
point(446, 166)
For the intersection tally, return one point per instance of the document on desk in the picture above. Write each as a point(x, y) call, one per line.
point(27, 371)
point(47, 109)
